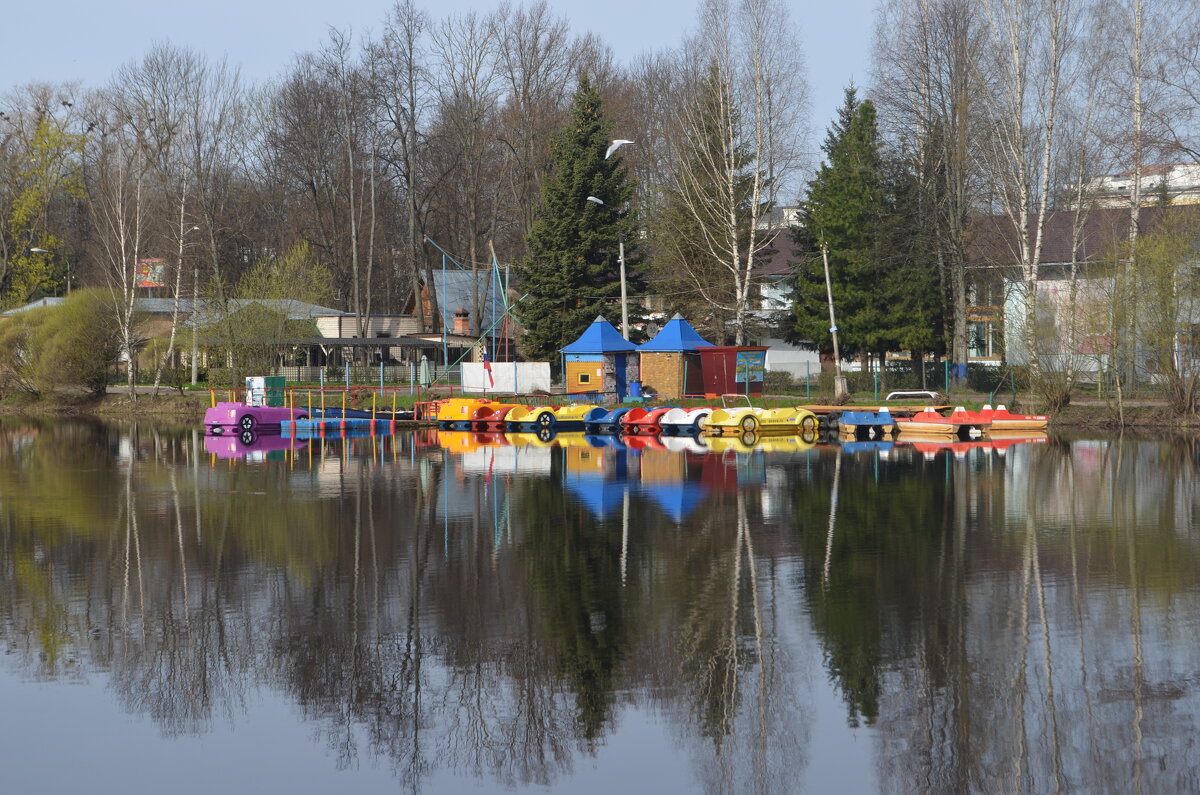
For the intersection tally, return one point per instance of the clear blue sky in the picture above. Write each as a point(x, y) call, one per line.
point(87, 39)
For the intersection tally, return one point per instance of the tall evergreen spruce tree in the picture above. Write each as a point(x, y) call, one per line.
point(864, 205)
point(572, 273)
point(843, 211)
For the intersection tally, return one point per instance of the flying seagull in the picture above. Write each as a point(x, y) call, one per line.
point(594, 200)
point(615, 145)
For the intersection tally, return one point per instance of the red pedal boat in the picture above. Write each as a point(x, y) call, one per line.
point(1002, 419)
point(961, 423)
point(644, 421)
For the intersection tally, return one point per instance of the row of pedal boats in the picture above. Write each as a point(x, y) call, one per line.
point(484, 415)
point(929, 421)
point(487, 415)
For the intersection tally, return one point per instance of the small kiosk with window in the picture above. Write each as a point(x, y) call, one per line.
point(600, 360)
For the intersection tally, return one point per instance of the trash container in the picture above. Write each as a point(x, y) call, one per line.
point(266, 390)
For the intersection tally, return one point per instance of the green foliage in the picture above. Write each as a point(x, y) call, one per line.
point(69, 346)
point(48, 171)
point(573, 566)
point(572, 272)
point(16, 343)
point(1165, 301)
point(297, 275)
point(862, 205)
point(254, 334)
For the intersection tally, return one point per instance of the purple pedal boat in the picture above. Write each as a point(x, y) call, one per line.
point(238, 417)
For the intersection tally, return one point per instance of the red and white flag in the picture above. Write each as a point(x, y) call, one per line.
point(487, 368)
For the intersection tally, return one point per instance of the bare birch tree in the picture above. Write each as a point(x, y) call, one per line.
point(404, 98)
point(741, 125)
point(118, 199)
point(534, 60)
point(927, 79)
point(464, 47)
point(1030, 45)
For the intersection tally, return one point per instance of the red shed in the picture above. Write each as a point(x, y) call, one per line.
point(733, 368)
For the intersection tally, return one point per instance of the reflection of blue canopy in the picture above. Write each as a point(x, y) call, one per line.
point(866, 447)
point(600, 337)
point(677, 335)
point(677, 500)
point(600, 496)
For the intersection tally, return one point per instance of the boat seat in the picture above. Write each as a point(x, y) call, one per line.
point(906, 394)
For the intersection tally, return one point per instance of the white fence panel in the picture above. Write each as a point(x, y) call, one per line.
point(510, 377)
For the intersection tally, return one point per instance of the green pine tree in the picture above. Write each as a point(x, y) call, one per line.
point(572, 273)
point(844, 210)
point(864, 204)
point(909, 287)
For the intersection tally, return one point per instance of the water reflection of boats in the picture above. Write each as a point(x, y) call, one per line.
point(790, 443)
point(745, 442)
point(642, 442)
point(251, 446)
point(931, 445)
point(469, 441)
point(542, 438)
point(1002, 441)
point(869, 446)
point(684, 444)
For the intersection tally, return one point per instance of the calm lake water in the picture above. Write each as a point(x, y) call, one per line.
point(449, 613)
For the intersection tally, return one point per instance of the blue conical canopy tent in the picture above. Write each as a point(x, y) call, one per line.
point(600, 337)
point(677, 335)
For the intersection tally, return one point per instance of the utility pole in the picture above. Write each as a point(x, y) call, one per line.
point(624, 304)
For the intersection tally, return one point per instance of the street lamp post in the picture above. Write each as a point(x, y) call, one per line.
point(624, 302)
point(195, 299)
point(621, 262)
point(51, 253)
point(840, 389)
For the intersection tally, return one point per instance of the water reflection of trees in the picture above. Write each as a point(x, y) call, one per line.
point(1006, 622)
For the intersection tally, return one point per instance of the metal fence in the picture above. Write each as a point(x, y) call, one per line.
point(389, 375)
